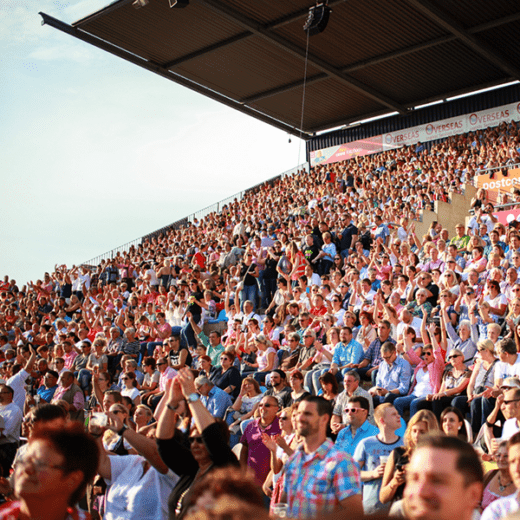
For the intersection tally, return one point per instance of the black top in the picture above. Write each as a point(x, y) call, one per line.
point(231, 377)
point(177, 456)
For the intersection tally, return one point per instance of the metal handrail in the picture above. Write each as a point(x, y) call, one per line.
point(201, 213)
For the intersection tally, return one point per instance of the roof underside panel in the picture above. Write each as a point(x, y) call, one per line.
point(374, 57)
point(328, 99)
point(429, 73)
point(160, 34)
point(231, 69)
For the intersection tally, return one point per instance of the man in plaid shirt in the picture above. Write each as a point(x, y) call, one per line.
point(319, 478)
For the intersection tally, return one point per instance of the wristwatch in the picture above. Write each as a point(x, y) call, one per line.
point(193, 398)
point(122, 430)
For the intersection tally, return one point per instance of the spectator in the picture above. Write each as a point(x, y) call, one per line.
point(254, 453)
point(317, 454)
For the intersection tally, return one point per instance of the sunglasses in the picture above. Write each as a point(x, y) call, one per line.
point(353, 410)
point(454, 356)
point(198, 440)
point(510, 401)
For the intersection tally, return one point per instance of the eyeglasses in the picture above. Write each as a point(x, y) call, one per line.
point(198, 440)
point(353, 410)
point(39, 465)
point(454, 356)
point(510, 401)
point(263, 405)
point(125, 378)
point(284, 418)
point(427, 354)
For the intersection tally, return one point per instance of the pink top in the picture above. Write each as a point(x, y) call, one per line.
point(435, 369)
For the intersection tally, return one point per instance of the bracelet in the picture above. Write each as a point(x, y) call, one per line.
point(489, 424)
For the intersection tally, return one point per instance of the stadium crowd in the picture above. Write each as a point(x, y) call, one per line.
point(305, 333)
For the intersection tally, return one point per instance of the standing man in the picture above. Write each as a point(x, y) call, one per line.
point(11, 421)
point(214, 347)
point(352, 389)
point(356, 426)
point(254, 454)
point(372, 453)
point(443, 480)
point(319, 478)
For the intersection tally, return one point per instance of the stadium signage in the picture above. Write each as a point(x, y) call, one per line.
point(422, 133)
point(499, 182)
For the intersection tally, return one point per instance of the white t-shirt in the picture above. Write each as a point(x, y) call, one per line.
point(134, 496)
point(510, 428)
point(503, 370)
point(17, 383)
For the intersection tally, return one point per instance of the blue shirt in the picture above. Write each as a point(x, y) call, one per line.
point(345, 354)
point(373, 354)
point(345, 442)
point(47, 393)
point(217, 402)
point(395, 377)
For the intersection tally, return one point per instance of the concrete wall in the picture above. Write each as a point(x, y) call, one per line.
point(447, 213)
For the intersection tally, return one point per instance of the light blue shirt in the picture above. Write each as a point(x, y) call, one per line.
point(345, 354)
point(217, 402)
point(394, 377)
point(347, 443)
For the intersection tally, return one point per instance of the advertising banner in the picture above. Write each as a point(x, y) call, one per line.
point(347, 151)
point(506, 216)
point(422, 133)
point(499, 183)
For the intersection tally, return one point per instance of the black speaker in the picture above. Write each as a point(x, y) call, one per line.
point(318, 19)
point(179, 3)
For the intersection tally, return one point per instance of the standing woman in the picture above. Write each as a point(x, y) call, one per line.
point(208, 442)
point(298, 263)
point(194, 307)
point(249, 273)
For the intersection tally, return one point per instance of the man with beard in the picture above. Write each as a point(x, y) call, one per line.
point(319, 478)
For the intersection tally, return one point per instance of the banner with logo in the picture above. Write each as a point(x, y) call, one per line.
point(507, 216)
point(347, 151)
point(422, 133)
point(496, 182)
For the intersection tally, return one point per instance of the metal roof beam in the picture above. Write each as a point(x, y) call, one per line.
point(157, 69)
point(281, 22)
point(295, 50)
point(444, 20)
point(206, 50)
point(382, 58)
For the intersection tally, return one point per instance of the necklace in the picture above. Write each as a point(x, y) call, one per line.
point(501, 486)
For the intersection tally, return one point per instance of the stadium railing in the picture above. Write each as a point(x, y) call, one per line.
point(216, 207)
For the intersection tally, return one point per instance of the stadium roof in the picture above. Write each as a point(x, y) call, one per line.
point(374, 57)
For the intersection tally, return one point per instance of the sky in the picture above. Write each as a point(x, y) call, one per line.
point(97, 152)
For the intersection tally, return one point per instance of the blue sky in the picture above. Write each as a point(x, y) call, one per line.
point(97, 152)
